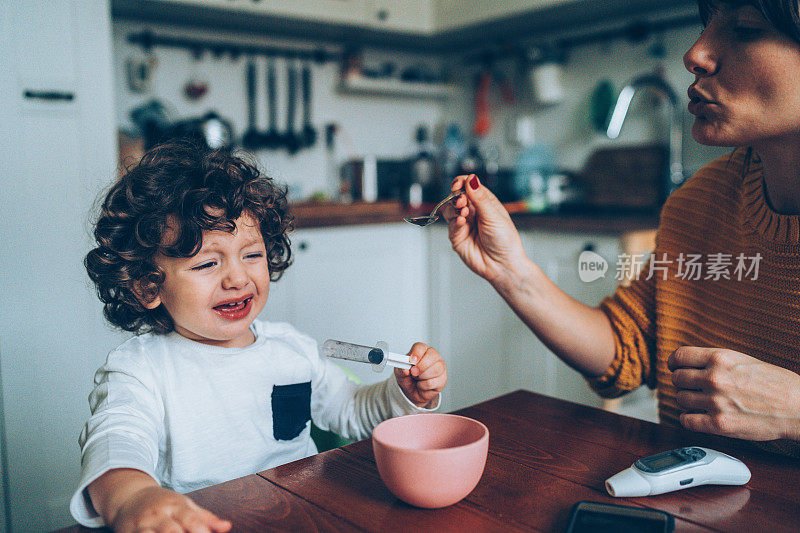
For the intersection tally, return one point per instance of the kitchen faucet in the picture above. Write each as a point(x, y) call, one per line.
point(675, 125)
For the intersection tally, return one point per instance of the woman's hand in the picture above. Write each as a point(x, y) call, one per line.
point(730, 393)
point(160, 509)
point(426, 379)
point(482, 233)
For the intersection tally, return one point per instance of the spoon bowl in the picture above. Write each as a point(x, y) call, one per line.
point(422, 221)
point(426, 220)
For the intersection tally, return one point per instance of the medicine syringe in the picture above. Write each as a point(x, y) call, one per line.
point(378, 356)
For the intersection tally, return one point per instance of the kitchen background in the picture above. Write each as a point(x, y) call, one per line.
point(70, 78)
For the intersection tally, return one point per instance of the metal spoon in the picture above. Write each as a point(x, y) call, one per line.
point(426, 220)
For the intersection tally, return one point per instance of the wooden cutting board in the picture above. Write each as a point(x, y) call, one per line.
point(627, 176)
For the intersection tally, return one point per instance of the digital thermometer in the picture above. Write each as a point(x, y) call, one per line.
point(378, 356)
point(678, 469)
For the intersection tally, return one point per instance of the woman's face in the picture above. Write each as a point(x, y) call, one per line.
point(745, 91)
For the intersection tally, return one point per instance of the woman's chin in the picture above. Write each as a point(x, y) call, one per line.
point(704, 132)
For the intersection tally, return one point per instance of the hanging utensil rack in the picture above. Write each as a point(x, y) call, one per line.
point(148, 40)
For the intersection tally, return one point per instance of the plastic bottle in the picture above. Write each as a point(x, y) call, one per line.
point(532, 172)
point(453, 151)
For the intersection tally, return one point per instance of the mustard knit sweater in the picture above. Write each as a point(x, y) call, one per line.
point(720, 220)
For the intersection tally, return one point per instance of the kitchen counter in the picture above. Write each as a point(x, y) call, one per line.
point(326, 214)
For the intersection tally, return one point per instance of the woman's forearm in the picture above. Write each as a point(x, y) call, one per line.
point(577, 333)
point(793, 424)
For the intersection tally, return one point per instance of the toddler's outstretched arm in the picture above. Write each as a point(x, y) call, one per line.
point(426, 379)
point(130, 500)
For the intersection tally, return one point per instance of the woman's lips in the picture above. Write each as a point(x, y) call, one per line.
point(697, 107)
point(236, 311)
point(698, 103)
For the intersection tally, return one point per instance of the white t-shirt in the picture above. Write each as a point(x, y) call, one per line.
point(193, 415)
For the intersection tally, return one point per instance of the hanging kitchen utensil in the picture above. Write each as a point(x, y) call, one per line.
point(331, 167)
point(252, 138)
point(139, 72)
point(309, 134)
point(272, 137)
point(194, 89)
point(196, 86)
point(292, 140)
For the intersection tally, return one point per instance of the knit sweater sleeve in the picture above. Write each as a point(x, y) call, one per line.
point(631, 312)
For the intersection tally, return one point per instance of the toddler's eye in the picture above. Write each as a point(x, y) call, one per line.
point(204, 265)
point(254, 255)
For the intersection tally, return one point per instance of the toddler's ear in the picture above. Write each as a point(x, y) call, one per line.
point(145, 296)
point(152, 304)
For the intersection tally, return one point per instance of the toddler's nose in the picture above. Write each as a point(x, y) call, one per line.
point(235, 276)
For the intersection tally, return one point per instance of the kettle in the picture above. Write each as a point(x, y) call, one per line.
point(210, 130)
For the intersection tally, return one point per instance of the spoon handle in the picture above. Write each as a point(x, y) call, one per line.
point(449, 197)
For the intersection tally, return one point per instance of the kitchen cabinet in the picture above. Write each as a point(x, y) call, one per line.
point(400, 284)
point(532, 364)
point(489, 350)
point(336, 11)
point(413, 16)
point(469, 324)
point(449, 15)
point(421, 25)
point(358, 284)
point(58, 153)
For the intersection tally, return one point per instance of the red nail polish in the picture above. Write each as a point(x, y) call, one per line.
point(474, 182)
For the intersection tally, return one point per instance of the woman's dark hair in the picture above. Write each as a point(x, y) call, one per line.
point(782, 14)
point(183, 189)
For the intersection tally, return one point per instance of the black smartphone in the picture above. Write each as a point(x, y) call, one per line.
point(596, 517)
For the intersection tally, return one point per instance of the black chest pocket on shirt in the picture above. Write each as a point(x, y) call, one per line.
point(291, 409)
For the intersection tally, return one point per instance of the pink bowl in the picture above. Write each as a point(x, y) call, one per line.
point(430, 460)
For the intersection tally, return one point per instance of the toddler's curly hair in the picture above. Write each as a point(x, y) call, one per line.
point(177, 184)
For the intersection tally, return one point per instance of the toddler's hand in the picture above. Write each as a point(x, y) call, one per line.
point(160, 509)
point(426, 379)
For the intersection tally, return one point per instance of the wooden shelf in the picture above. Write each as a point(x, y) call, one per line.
point(360, 85)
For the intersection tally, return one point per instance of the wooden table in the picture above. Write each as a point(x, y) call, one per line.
point(544, 455)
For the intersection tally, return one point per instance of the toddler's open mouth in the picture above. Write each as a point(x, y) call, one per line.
point(234, 310)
